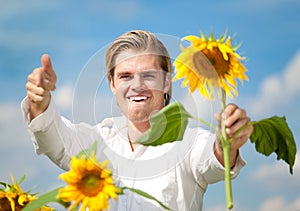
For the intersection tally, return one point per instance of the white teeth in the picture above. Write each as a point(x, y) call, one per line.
point(138, 98)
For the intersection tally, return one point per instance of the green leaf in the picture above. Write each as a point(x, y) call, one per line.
point(167, 125)
point(274, 135)
point(223, 37)
point(42, 200)
point(5, 185)
point(18, 182)
point(146, 195)
point(88, 152)
point(21, 179)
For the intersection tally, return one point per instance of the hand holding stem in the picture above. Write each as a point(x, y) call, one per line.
point(231, 120)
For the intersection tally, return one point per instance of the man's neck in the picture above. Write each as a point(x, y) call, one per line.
point(136, 130)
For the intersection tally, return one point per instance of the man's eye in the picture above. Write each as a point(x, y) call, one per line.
point(125, 77)
point(149, 76)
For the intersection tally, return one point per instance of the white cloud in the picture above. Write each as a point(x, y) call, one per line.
point(223, 207)
point(12, 129)
point(278, 90)
point(291, 75)
point(63, 97)
point(17, 155)
point(215, 208)
point(277, 177)
point(279, 203)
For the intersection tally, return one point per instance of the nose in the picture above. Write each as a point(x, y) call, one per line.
point(138, 83)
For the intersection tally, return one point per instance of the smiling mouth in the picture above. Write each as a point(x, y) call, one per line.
point(138, 98)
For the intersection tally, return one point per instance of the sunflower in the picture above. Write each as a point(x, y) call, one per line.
point(210, 63)
point(88, 182)
point(14, 199)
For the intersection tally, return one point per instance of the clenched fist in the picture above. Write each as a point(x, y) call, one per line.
point(235, 118)
point(40, 82)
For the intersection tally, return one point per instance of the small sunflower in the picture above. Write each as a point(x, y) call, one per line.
point(14, 199)
point(209, 63)
point(90, 183)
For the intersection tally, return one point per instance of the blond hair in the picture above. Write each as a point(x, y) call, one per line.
point(143, 42)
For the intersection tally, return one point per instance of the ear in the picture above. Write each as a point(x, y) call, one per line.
point(167, 83)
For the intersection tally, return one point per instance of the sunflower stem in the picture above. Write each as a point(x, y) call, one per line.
point(226, 150)
point(226, 153)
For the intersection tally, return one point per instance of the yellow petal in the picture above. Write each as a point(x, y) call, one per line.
point(193, 83)
point(224, 52)
point(23, 198)
point(196, 41)
point(70, 177)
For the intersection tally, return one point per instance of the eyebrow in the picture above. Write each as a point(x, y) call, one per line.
point(152, 71)
point(124, 73)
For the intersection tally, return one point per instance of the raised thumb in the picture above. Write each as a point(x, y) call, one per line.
point(46, 62)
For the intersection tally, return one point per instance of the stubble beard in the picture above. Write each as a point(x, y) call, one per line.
point(139, 116)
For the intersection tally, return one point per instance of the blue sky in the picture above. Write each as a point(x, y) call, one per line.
point(72, 33)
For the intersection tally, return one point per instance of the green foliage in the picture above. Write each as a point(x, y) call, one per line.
point(274, 135)
point(43, 200)
point(21, 179)
point(167, 125)
point(146, 195)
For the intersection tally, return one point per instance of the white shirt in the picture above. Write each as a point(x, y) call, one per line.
point(175, 173)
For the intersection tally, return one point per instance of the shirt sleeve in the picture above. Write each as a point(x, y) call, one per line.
point(56, 136)
point(41, 124)
point(204, 164)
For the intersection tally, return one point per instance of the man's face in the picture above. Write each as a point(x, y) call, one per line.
point(139, 86)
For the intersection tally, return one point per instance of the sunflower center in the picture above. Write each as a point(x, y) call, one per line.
point(203, 66)
point(91, 184)
point(216, 58)
point(5, 204)
point(210, 64)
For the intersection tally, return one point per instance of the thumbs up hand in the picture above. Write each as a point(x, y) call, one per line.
point(40, 82)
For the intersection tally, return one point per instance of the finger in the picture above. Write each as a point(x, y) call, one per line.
point(32, 88)
point(35, 95)
point(39, 77)
point(42, 79)
point(228, 112)
point(234, 117)
point(48, 84)
point(47, 65)
point(46, 62)
point(35, 98)
point(50, 73)
point(36, 77)
point(230, 109)
point(242, 138)
point(31, 78)
point(230, 131)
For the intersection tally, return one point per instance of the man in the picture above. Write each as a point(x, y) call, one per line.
point(139, 71)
